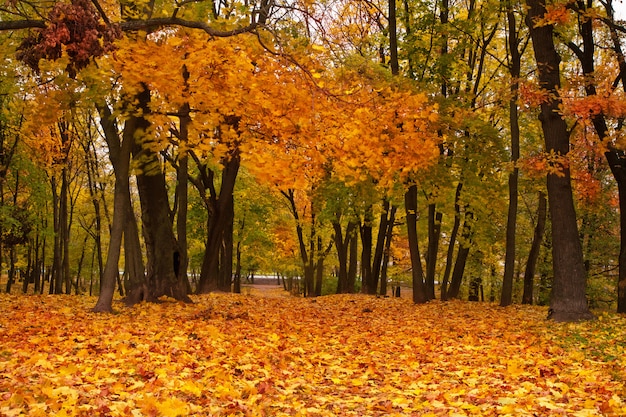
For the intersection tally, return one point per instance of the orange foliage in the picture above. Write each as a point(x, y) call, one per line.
point(531, 95)
point(339, 356)
point(556, 14)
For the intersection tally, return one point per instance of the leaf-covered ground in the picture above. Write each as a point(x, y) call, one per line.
point(332, 356)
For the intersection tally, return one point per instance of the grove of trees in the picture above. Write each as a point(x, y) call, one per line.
point(164, 148)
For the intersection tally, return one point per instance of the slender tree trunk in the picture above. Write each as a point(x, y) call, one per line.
point(56, 283)
point(226, 260)
point(380, 242)
point(461, 257)
point(452, 243)
point(533, 254)
point(79, 268)
point(119, 155)
point(393, 39)
point(434, 231)
point(11, 275)
point(568, 301)
point(91, 163)
point(36, 271)
point(353, 265)
point(387, 251)
point(367, 277)
point(511, 226)
point(64, 228)
point(410, 204)
point(182, 193)
point(306, 256)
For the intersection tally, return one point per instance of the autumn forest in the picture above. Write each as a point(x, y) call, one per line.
point(455, 163)
point(459, 149)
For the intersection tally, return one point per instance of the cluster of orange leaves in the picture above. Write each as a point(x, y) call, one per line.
point(281, 356)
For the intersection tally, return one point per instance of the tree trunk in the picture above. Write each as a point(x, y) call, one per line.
point(506, 297)
point(65, 231)
point(353, 265)
point(568, 301)
point(219, 222)
point(56, 284)
point(387, 251)
point(434, 231)
point(450, 253)
point(119, 154)
point(380, 242)
point(533, 254)
point(617, 163)
point(237, 278)
point(161, 245)
point(369, 286)
point(461, 257)
point(410, 204)
point(343, 252)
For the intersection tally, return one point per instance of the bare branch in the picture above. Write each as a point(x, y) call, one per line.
point(149, 24)
point(22, 24)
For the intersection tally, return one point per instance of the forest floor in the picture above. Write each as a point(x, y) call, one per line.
point(274, 355)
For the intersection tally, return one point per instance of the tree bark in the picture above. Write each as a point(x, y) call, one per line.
point(506, 297)
point(367, 276)
point(219, 222)
point(434, 232)
point(535, 247)
point(387, 250)
point(119, 154)
point(161, 244)
point(452, 243)
point(461, 257)
point(617, 162)
point(342, 244)
point(410, 204)
point(568, 300)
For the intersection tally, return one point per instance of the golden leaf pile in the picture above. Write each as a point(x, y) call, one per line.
point(331, 356)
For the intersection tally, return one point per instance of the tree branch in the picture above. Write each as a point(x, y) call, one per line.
point(174, 21)
point(22, 24)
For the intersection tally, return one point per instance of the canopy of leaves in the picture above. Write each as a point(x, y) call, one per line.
point(337, 355)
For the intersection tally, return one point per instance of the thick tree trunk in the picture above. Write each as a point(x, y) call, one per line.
point(535, 247)
point(342, 244)
point(568, 301)
point(161, 245)
point(219, 223)
point(410, 204)
point(617, 162)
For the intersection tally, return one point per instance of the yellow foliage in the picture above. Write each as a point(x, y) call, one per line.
point(280, 356)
